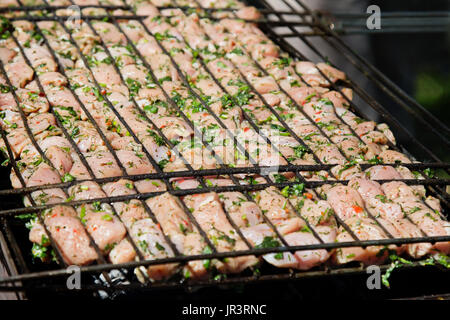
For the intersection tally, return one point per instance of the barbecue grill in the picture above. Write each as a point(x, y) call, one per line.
point(26, 279)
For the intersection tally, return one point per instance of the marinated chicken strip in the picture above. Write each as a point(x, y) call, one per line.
point(382, 173)
point(181, 232)
point(191, 183)
point(19, 72)
point(346, 202)
point(207, 210)
point(244, 213)
point(68, 233)
point(262, 236)
point(278, 210)
point(295, 231)
point(129, 211)
point(316, 212)
point(86, 190)
point(172, 218)
point(364, 229)
point(391, 212)
point(122, 252)
point(152, 244)
point(38, 173)
point(101, 223)
point(105, 228)
point(375, 200)
point(134, 216)
point(428, 220)
point(47, 196)
point(148, 185)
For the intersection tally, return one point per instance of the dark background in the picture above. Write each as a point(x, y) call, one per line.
point(420, 62)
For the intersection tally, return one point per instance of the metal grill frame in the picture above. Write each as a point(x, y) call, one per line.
point(18, 281)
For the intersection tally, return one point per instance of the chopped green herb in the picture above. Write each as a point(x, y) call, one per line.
point(159, 246)
point(67, 177)
point(107, 217)
point(268, 242)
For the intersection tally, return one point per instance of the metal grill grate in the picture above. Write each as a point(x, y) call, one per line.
point(296, 15)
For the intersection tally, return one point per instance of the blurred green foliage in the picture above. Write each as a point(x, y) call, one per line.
point(432, 90)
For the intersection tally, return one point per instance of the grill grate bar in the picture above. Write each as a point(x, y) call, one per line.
point(239, 280)
point(275, 23)
point(126, 7)
point(48, 7)
point(182, 192)
point(229, 254)
point(238, 170)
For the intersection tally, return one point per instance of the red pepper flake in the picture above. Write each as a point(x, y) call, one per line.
point(308, 195)
point(41, 94)
point(246, 129)
point(357, 209)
